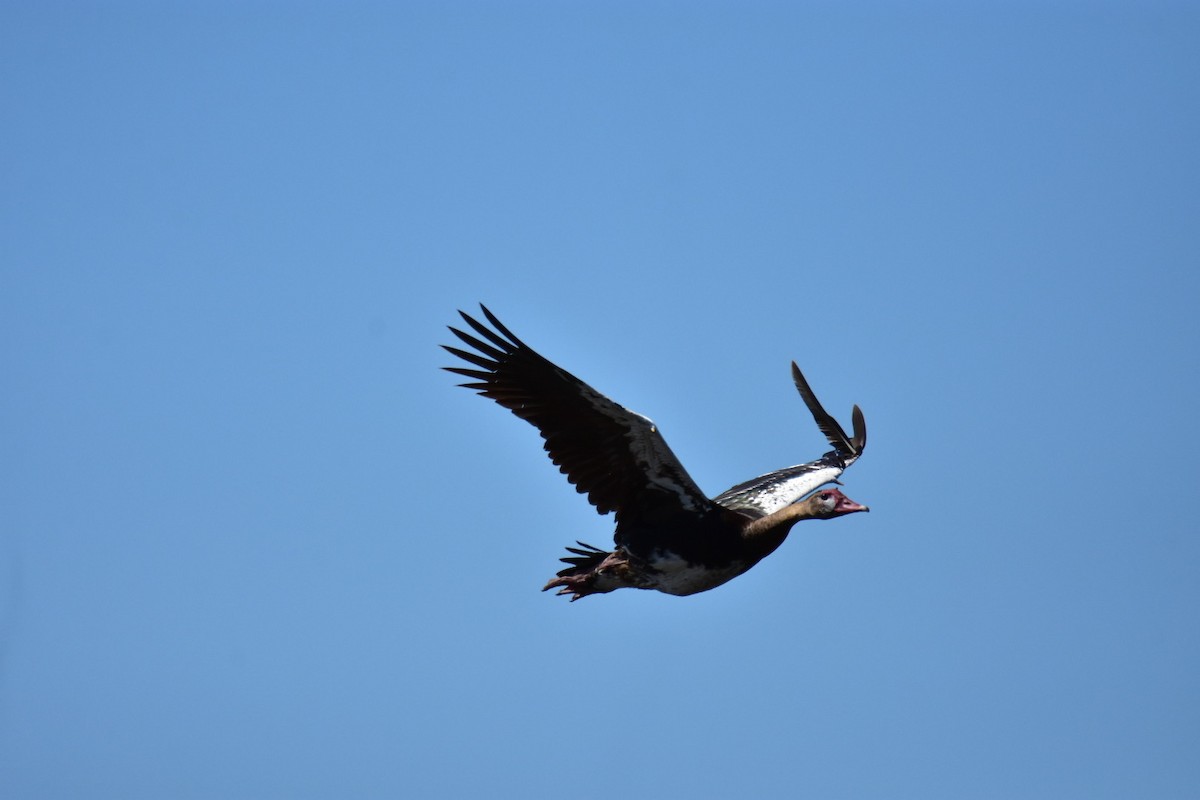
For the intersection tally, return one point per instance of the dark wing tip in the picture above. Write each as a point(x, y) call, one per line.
point(848, 447)
point(498, 325)
point(828, 425)
point(860, 430)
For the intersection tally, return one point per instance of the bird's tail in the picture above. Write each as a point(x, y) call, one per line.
point(579, 579)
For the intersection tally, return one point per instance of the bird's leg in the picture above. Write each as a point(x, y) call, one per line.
point(592, 572)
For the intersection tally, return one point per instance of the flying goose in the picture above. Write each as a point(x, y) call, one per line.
point(669, 535)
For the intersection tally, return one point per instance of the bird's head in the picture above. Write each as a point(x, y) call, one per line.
point(830, 503)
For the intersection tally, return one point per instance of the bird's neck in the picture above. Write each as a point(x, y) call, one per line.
point(767, 533)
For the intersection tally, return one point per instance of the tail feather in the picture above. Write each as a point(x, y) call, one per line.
point(586, 559)
point(579, 579)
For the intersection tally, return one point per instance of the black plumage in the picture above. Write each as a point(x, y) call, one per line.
point(669, 536)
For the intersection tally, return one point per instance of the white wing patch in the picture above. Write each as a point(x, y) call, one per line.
point(769, 493)
point(660, 465)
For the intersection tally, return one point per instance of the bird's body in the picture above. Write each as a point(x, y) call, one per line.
point(669, 535)
point(691, 556)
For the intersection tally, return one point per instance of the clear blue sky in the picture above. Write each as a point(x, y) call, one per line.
point(253, 543)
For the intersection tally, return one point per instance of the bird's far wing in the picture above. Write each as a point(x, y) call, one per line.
point(613, 455)
point(849, 448)
point(768, 493)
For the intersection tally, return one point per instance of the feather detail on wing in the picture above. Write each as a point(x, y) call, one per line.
point(613, 455)
point(848, 448)
point(769, 493)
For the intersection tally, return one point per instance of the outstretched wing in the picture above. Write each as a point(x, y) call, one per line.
point(613, 455)
point(768, 493)
point(848, 448)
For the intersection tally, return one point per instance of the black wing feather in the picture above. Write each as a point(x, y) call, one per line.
point(771, 492)
point(613, 455)
point(849, 448)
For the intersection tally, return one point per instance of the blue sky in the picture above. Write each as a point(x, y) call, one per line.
point(253, 543)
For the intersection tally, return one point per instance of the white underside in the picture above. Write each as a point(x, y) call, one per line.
point(678, 577)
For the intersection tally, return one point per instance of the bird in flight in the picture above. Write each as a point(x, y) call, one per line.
point(669, 535)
